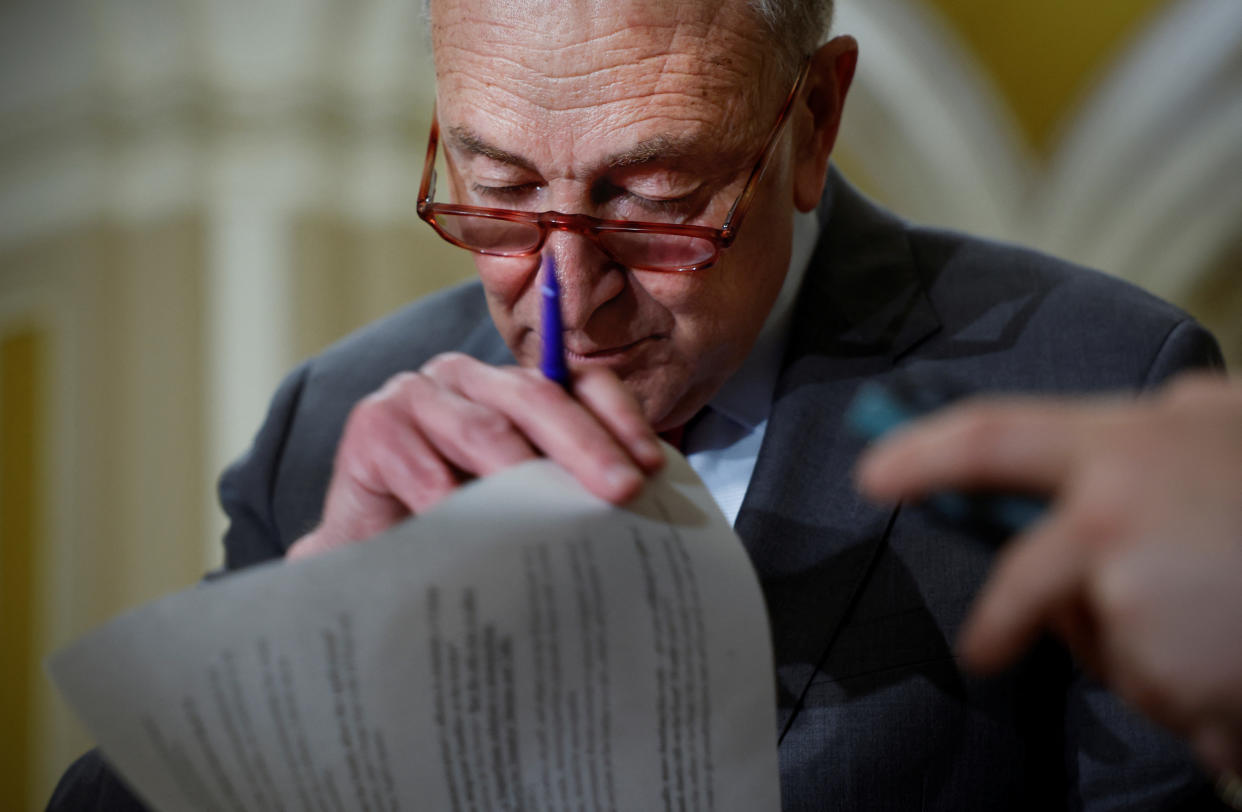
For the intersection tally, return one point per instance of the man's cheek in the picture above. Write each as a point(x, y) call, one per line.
point(519, 334)
point(507, 294)
point(684, 294)
point(505, 278)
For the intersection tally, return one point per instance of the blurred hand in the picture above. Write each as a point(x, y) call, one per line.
point(424, 433)
point(1137, 564)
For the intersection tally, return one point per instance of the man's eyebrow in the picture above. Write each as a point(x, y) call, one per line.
point(473, 143)
point(657, 148)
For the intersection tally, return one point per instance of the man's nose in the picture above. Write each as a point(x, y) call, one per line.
point(589, 278)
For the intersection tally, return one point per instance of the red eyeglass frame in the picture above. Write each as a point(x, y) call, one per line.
point(591, 227)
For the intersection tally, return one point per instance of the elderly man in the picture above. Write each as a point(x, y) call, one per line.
point(723, 286)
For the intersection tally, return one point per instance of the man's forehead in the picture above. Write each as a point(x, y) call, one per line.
point(563, 23)
point(570, 53)
point(631, 80)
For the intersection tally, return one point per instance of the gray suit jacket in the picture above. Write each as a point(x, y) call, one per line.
point(864, 600)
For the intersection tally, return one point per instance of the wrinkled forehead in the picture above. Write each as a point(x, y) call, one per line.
point(603, 66)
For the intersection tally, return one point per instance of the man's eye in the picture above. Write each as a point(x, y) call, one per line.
point(512, 192)
point(659, 202)
point(631, 203)
point(660, 206)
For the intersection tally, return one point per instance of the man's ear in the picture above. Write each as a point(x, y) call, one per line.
point(819, 117)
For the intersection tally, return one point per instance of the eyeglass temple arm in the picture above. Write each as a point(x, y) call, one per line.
point(752, 182)
point(427, 186)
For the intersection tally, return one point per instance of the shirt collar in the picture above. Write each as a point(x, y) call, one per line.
point(746, 397)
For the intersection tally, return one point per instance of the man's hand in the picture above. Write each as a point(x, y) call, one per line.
point(411, 443)
point(1138, 563)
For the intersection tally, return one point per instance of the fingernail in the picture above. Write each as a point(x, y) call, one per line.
point(622, 479)
point(649, 450)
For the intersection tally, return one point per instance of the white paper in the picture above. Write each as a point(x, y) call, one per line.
point(522, 646)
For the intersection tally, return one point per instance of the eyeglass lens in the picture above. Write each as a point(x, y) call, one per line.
point(638, 249)
point(489, 234)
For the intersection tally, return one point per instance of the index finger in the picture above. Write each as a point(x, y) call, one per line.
point(1038, 574)
point(1017, 444)
point(561, 427)
point(612, 404)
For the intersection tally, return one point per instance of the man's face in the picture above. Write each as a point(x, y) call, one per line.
point(623, 110)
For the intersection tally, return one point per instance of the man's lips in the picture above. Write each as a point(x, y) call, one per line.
point(588, 354)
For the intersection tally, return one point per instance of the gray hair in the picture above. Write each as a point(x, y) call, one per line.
point(797, 26)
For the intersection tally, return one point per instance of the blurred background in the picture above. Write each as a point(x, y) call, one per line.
point(196, 194)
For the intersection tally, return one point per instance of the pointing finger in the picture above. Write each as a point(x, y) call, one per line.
point(985, 445)
point(1038, 578)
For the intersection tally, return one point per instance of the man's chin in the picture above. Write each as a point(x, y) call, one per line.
point(662, 401)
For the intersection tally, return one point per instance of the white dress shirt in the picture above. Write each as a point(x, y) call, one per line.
point(722, 442)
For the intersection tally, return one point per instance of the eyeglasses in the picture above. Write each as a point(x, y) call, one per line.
point(638, 245)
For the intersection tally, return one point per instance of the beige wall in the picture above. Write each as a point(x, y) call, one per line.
point(352, 273)
point(21, 363)
point(195, 195)
point(112, 481)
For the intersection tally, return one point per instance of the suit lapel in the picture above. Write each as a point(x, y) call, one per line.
point(811, 537)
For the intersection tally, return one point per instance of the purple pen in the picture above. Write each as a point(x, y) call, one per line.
point(553, 363)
